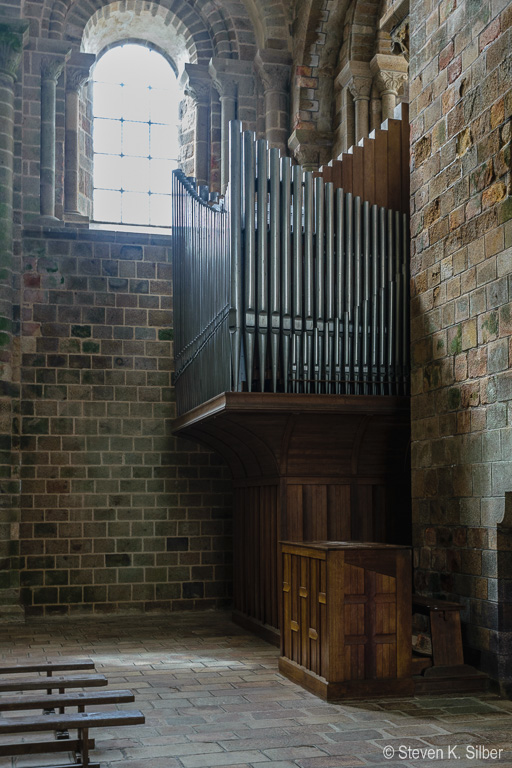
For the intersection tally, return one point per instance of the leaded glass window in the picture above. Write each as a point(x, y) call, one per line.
point(135, 136)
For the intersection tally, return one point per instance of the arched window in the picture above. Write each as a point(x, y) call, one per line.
point(135, 136)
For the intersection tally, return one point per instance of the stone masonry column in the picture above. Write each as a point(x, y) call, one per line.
point(226, 87)
point(13, 37)
point(360, 88)
point(77, 74)
point(375, 109)
point(353, 82)
point(51, 69)
point(198, 86)
point(390, 73)
point(231, 79)
point(274, 68)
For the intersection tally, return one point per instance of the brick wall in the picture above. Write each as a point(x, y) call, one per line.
point(116, 514)
point(461, 223)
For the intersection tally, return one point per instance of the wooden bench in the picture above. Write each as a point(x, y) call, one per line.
point(50, 683)
point(80, 699)
point(31, 697)
point(445, 629)
point(49, 667)
point(81, 721)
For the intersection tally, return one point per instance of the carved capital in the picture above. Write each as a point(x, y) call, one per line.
point(225, 86)
point(75, 78)
point(390, 72)
point(352, 70)
point(78, 70)
point(197, 83)
point(360, 87)
point(389, 81)
point(199, 91)
point(51, 67)
point(310, 148)
point(274, 69)
point(13, 37)
point(231, 77)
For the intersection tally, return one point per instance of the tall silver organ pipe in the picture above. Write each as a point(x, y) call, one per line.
point(294, 286)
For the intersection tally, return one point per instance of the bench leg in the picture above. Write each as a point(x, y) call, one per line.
point(83, 738)
point(61, 734)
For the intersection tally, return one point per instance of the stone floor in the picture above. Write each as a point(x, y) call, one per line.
point(212, 696)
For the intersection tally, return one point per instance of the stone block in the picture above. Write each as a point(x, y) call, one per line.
point(469, 334)
point(497, 356)
point(482, 480)
point(501, 474)
point(491, 445)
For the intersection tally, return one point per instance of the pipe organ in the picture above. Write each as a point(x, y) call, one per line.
point(292, 358)
point(297, 287)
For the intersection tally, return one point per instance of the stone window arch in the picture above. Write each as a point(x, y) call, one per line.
point(186, 44)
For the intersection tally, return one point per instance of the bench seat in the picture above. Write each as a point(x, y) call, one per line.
point(48, 683)
point(49, 667)
point(79, 699)
point(82, 720)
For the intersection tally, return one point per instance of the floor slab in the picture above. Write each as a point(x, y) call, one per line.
point(213, 697)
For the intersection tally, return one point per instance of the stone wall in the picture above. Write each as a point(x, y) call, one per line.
point(116, 514)
point(461, 223)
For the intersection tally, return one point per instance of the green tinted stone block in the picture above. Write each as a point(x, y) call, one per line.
point(81, 331)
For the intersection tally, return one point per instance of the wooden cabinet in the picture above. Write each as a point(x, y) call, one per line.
point(346, 628)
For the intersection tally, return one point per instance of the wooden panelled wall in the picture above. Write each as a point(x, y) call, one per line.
point(303, 511)
point(305, 467)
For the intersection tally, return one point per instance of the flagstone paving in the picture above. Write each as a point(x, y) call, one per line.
point(213, 697)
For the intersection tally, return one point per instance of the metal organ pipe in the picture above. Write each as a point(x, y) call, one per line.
point(319, 277)
point(275, 263)
point(286, 269)
point(235, 202)
point(307, 367)
point(330, 285)
point(249, 221)
point(262, 257)
point(298, 299)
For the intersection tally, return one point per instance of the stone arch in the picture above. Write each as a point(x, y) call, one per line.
point(361, 31)
point(156, 25)
point(145, 44)
point(225, 32)
point(318, 31)
point(272, 22)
